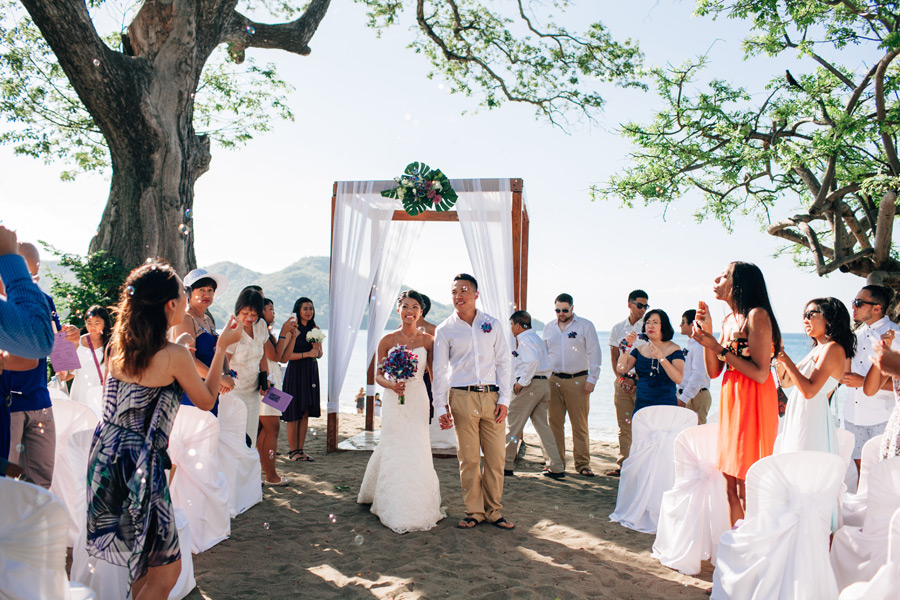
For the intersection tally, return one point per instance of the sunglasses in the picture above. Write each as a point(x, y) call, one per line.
point(857, 303)
point(562, 310)
point(809, 314)
point(641, 306)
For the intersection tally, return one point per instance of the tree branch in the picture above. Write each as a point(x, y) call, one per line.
point(885, 227)
point(241, 33)
point(881, 112)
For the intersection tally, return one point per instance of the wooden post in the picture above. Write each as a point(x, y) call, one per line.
point(332, 418)
point(519, 229)
point(370, 398)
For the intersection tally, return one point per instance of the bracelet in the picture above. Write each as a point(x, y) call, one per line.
point(281, 337)
point(231, 373)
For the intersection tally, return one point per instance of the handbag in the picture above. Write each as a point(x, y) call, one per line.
point(782, 400)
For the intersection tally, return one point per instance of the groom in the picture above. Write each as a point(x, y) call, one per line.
point(471, 387)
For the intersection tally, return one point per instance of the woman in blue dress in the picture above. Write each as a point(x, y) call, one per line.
point(130, 519)
point(659, 362)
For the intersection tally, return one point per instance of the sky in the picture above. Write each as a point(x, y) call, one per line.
point(365, 109)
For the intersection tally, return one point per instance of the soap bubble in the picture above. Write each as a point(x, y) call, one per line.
point(91, 567)
point(188, 213)
point(358, 540)
point(192, 452)
point(129, 290)
point(271, 454)
point(184, 229)
point(20, 448)
point(96, 62)
point(265, 525)
point(251, 30)
point(198, 466)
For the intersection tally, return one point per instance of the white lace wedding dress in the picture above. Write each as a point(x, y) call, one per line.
point(400, 481)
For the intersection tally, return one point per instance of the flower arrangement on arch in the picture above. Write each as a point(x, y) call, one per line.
point(420, 188)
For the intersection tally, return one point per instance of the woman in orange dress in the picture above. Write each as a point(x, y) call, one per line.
point(748, 409)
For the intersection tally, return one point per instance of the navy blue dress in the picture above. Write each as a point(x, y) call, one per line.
point(654, 388)
point(204, 351)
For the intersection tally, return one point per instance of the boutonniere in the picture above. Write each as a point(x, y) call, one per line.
point(684, 351)
point(516, 354)
point(573, 335)
point(486, 327)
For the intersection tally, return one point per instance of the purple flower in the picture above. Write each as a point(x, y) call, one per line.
point(486, 327)
point(399, 364)
point(573, 335)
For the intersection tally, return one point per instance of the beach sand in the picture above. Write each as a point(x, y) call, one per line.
point(312, 540)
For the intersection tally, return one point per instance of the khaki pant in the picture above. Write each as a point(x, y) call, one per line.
point(700, 404)
point(532, 402)
point(35, 432)
point(624, 403)
point(477, 432)
point(567, 397)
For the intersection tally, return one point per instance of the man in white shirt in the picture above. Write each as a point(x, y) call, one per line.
point(866, 416)
point(471, 388)
point(624, 392)
point(575, 359)
point(693, 393)
point(531, 366)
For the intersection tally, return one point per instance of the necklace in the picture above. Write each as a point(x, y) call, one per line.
point(410, 342)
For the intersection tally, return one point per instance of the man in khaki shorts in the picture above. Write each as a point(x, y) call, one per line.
point(471, 388)
point(624, 395)
point(693, 392)
point(575, 359)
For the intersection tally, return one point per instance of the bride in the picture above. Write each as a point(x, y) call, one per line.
point(400, 481)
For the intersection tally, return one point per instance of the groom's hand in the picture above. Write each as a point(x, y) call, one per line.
point(500, 413)
point(445, 420)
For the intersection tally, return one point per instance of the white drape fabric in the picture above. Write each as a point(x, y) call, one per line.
point(694, 513)
point(400, 242)
point(32, 543)
point(781, 549)
point(857, 554)
point(70, 417)
point(649, 470)
point(370, 249)
point(486, 221)
point(199, 487)
point(885, 585)
point(853, 506)
point(239, 463)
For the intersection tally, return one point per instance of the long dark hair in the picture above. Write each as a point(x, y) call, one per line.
point(100, 312)
point(748, 291)
point(837, 323)
point(141, 323)
point(296, 311)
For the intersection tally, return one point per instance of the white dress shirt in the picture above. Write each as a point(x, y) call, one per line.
point(475, 354)
point(574, 349)
point(695, 377)
point(530, 358)
point(622, 329)
point(860, 409)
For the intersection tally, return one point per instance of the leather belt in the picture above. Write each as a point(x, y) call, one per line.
point(481, 389)
point(681, 390)
point(539, 377)
point(570, 376)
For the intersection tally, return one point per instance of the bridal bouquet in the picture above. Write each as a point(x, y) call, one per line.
point(399, 364)
point(315, 336)
point(420, 188)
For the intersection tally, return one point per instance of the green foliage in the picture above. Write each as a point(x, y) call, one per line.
point(421, 187)
point(507, 55)
point(98, 278)
point(46, 119)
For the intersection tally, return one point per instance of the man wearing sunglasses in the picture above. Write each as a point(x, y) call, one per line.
point(624, 394)
point(575, 364)
point(866, 416)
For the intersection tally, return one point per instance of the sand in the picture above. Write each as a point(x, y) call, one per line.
point(312, 540)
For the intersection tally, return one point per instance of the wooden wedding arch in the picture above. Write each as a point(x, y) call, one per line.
point(520, 228)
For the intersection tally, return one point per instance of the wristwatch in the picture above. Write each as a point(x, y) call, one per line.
point(721, 355)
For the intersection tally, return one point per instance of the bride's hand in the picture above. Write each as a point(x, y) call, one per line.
point(399, 387)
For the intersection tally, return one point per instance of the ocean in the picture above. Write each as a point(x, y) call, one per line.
point(602, 416)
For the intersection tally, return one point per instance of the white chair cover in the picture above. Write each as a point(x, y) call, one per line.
point(70, 417)
point(649, 470)
point(885, 585)
point(695, 511)
point(32, 543)
point(846, 442)
point(857, 554)
point(240, 463)
point(853, 506)
point(781, 549)
point(199, 486)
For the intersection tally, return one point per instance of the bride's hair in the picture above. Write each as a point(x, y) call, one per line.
point(414, 295)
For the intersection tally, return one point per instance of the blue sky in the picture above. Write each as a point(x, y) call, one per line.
point(364, 109)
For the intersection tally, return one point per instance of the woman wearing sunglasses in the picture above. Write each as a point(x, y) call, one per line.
point(808, 421)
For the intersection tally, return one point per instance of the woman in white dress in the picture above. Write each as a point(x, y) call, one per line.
point(808, 421)
point(88, 385)
point(400, 481)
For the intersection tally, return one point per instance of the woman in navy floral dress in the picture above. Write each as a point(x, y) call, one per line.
point(130, 516)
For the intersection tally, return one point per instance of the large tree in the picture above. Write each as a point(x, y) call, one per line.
point(138, 89)
point(813, 155)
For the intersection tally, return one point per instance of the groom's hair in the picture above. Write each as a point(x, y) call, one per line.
point(520, 317)
point(466, 277)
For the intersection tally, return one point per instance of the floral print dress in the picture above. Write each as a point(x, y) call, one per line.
point(890, 444)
